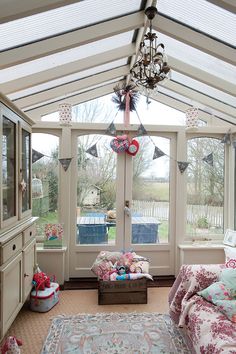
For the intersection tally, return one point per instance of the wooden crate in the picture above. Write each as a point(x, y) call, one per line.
point(122, 292)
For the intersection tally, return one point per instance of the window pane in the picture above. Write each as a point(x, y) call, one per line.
point(151, 197)
point(205, 188)
point(8, 168)
point(96, 191)
point(45, 180)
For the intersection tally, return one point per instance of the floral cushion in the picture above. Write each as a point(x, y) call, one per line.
point(223, 293)
point(214, 292)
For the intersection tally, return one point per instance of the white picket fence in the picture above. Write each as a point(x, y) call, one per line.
point(213, 215)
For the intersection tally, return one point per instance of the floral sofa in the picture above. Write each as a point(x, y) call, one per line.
point(208, 329)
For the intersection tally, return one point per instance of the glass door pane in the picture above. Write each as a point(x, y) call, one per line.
point(96, 191)
point(9, 168)
point(205, 188)
point(150, 195)
point(26, 168)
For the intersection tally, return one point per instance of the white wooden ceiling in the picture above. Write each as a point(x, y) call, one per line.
point(74, 51)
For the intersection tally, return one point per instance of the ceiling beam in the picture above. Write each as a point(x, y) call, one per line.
point(15, 9)
point(70, 88)
point(229, 5)
point(202, 76)
point(67, 69)
point(200, 98)
point(70, 40)
point(36, 113)
point(195, 39)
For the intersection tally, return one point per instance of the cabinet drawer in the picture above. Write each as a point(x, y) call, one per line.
point(11, 248)
point(29, 233)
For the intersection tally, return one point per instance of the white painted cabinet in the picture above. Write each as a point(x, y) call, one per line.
point(17, 263)
point(17, 230)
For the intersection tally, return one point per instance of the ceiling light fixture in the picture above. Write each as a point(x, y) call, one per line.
point(151, 66)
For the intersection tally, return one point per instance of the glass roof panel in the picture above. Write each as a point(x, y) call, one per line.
point(193, 103)
point(198, 59)
point(66, 79)
point(65, 57)
point(63, 19)
point(203, 16)
point(203, 88)
point(75, 93)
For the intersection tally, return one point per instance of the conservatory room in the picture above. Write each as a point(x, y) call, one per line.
point(117, 175)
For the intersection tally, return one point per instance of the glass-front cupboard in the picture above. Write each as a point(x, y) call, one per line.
point(17, 226)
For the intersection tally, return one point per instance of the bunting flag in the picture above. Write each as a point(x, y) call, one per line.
point(111, 129)
point(157, 153)
point(182, 166)
point(208, 159)
point(226, 139)
point(141, 130)
point(36, 155)
point(93, 150)
point(65, 163)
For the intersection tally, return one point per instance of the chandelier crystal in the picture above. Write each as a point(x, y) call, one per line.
point(151, 66)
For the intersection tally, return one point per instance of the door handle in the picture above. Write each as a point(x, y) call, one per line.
point(127, 210)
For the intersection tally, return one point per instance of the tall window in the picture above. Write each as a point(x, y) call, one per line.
point(45, 179)
point(205, 188)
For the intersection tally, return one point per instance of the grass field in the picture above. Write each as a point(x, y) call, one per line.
point(152, 191)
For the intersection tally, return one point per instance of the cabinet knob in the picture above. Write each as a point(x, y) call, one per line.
point(26, 275)
point(14, 247)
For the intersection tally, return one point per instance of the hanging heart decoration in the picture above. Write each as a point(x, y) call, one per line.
point(120, 143)
point(133, 147)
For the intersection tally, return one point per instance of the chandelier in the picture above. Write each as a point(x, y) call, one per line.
point(151, 66)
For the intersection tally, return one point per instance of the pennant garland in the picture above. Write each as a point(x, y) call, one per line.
point(65, 163)
point(208, 159)
point(111, 129)
point(141, 130)
point(36, 155)
point(226, 139)
point(92, 150)
point(157, 153)
point(182, 166)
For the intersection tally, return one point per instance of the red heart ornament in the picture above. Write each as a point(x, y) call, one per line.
point(133, 147)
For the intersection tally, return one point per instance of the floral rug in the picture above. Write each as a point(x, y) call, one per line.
point(115, 333)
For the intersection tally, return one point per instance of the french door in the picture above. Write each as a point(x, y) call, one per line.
point(121, 203)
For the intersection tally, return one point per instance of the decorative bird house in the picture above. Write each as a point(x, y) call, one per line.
point(37, 188)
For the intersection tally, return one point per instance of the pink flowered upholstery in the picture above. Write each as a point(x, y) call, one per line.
point(209, 331)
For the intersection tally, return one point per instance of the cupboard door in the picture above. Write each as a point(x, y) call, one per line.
point(28, 268)
point(11, 299)
point(9, 168)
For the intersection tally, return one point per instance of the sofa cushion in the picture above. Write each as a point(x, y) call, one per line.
point(223, 293)
point(230, 257)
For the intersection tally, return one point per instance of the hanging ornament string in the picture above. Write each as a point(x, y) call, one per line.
point(127, 108)
point(125, 98)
